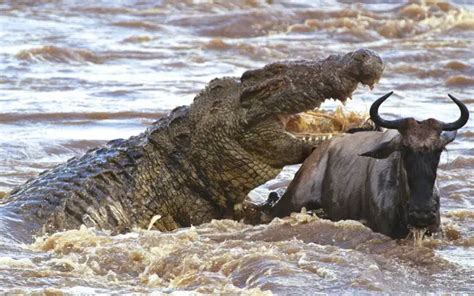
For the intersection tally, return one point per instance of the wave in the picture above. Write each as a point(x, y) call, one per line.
point(54, 53)
point(468, 133)
point(138, 24)
point(405, 21)
point(459, 80)
point(465, 214)
point(68, 116)
point(222, 255)
point(457, 65)
point(137, 39)
point(51, 53)
point(460, 162)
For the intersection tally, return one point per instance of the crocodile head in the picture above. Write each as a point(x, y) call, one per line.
point(273, 94)
point(239, 138)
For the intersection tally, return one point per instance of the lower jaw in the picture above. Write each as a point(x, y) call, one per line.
point(315, 138)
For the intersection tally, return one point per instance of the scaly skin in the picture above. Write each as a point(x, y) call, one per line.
point(197, 163)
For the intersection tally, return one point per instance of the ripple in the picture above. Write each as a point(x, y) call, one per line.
point(459, 80)
point(63, 116)
point(58, 54)
point(138, 24)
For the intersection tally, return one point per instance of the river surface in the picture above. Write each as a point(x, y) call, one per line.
point(75, 74)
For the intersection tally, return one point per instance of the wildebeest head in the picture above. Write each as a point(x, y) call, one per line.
point(420, 144)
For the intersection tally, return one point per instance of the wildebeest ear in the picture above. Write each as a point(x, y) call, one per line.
point(384, 149)
point(448, 137)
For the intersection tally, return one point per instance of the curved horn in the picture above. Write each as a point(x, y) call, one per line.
point(462, 120)
point(374, 114)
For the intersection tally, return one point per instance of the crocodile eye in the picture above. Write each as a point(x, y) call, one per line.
point(360, 56)
point(363, 55)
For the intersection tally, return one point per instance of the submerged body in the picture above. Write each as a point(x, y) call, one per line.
point(197, 163)
point(384, 179)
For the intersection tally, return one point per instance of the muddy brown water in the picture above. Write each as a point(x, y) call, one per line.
point(74, 74)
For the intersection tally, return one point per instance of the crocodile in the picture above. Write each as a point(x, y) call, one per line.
point(196, 164)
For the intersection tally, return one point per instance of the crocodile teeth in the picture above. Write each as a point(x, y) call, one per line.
point(315, 138)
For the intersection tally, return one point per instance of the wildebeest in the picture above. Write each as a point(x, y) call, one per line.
point(386, 179)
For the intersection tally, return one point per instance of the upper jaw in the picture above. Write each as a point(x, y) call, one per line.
point(370, 82)
point(373, 72)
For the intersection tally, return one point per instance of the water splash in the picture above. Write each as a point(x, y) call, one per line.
point(418, 234)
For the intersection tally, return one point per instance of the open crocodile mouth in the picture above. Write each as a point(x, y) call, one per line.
point(301, 126)
point(318, 125)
